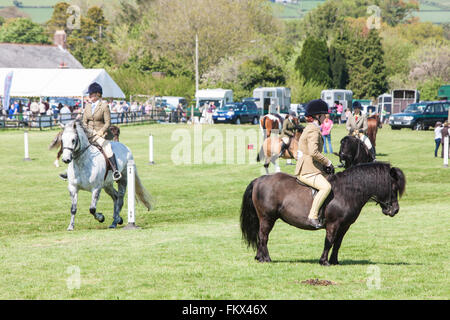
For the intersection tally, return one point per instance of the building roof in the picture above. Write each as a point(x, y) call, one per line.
point(15, 55)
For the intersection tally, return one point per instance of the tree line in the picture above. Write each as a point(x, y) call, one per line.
point(243, 46)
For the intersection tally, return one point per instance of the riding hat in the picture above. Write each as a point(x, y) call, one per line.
point(356, 104)
point(292, 113)
point(95, 88)
point(317, 106)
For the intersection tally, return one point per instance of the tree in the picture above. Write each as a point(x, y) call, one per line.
point(394, 12)
point(314, 62)
point(168, 29)
point(261, 71)
point(364, 57)
point(339, 71)
point(59, 19)
point(23, 30)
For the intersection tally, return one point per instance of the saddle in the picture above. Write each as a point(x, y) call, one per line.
point(108, 163)
point(314, 192)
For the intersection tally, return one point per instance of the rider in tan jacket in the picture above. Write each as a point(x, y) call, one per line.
point(97, 118)
point(357, 126)
point(311, 163)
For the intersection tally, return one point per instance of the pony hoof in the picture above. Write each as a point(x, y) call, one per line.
point(70, 228)
point(120, 221)
point(325, 263)
point(100, 218)
point(113, 226)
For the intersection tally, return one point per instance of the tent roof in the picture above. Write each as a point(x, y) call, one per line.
point(58, 82)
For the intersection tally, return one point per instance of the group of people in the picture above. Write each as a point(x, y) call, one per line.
point(441, 130)
point(312, 165)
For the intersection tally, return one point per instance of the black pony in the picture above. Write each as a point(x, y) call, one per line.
point(353, 151)
point(279, 195)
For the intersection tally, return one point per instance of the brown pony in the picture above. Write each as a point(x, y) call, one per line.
point(113, 130)
point(270, 122)
point(373, 123)
point(270, 150)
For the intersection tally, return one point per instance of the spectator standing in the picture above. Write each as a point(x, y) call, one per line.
point(445, 133)
point(437, 136)
point(325, 127)
point(348, 114)
point(42, 108)
point(34, 108)
point(339, 110)
point(65, 114)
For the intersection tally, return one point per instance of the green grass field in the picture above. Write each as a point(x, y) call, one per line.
point(190, 245)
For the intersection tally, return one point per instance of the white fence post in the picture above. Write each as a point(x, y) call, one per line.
point(150, 150)
point(446, 146)
point(25, 140)
point(131, 196)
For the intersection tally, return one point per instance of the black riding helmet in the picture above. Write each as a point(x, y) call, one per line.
point(95, 88)
point(356, 104)
point(315, 107)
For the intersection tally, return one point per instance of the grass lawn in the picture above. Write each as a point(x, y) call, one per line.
point(190, 245)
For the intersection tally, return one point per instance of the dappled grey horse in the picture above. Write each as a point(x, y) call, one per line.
point(88, 171)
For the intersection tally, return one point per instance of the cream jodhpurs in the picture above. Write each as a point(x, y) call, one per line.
point(317, 181)
point(105, 145)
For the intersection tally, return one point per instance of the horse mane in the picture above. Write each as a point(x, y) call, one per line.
point(367, 179)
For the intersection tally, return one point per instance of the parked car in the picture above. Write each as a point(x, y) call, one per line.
point(420, 116)
point(237, 112)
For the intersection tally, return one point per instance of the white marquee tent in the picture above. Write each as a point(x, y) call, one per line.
point(58, 82)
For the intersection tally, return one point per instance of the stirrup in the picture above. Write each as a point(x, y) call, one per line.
point(116, 175)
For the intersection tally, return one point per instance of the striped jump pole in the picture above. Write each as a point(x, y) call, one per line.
point(131, 196)
point(25, 142)
point(150, 150)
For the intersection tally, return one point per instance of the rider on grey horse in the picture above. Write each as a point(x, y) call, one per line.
point(97, 120)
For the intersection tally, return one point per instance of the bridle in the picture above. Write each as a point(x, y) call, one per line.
point(76, 152)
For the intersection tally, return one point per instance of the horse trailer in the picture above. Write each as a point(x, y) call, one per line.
point(401, 98)
point(385, 106)
point(342, 96)
point(220, 97)
point(272, 99)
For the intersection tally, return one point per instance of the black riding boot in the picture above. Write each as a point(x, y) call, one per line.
point(116, 174)
point(284, 147)
point(372, 152)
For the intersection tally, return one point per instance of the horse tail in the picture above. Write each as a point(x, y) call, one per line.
point(141, 193)
point(260, 155)
point(249, 218)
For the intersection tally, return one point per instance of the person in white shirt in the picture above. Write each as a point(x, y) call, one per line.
point(437, 136)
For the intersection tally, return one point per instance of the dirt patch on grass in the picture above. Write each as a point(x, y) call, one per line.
point(318, 282)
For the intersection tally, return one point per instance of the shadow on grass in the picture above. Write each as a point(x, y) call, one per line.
point(347, 262)
point(382, 154)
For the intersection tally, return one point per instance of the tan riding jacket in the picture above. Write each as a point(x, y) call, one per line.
point(100, 121)
point(360, 124)
point(310, 146)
